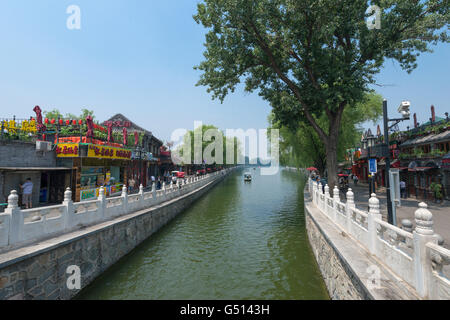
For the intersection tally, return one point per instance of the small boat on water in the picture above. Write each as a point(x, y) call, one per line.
point(247, 177)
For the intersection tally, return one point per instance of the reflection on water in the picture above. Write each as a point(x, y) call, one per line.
point(240, 241)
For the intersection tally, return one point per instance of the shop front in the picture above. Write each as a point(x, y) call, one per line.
point(95, 166)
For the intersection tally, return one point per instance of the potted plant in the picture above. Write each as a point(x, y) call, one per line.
point(436, 188)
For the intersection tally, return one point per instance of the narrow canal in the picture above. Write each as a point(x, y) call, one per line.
point(240, 241)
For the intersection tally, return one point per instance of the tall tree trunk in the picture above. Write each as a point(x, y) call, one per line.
point(331, 148)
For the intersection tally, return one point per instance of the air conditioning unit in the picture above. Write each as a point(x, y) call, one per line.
point(43, 146)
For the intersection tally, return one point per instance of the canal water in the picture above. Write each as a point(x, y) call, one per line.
point(241, 241)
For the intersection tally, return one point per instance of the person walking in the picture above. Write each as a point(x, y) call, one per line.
point(403, 189)
point(158, 185)
point(27, 191)
point(131, 184)
point(355, 179)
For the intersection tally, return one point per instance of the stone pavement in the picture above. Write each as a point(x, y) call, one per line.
point(441, 212)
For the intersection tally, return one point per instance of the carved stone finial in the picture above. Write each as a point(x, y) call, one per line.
point(327, 189)
point(407, 225)
point(350, 196)
point(101, 192)
point(424, 220)
point(164, 186)
point(13, 200)
point(68, 195)
point(374, 204)
point(141, 189)
point(124, 191)
point(440, 239)
point(336, 194)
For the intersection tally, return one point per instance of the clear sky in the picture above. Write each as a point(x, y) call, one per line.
point(136, 57)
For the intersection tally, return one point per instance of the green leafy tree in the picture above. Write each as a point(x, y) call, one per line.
point(201, 131)
point(302, 147)
point(53, 114)
point(312, 57)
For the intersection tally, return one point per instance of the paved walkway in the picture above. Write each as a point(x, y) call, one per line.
point(441, 212)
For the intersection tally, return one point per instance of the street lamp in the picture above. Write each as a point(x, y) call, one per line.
point(139, 157)
point(370, 138)
point(403, 109)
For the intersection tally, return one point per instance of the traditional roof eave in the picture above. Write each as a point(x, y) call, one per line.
point(136, 127)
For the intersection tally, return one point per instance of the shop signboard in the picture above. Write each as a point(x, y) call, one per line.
point(66, 150)
point(373, 165)
point(105, 152)
point(89, 194)
point(92, 194)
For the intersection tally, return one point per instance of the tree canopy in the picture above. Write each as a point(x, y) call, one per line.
point(302, 147)
point(312, 56)
point(208, 134)
point(56, 114)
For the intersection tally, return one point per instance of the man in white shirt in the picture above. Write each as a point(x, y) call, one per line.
point(27, 192)
point(403, 189)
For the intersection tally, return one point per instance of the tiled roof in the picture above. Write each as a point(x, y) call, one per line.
point(431, 138)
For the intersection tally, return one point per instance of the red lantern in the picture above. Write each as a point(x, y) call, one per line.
point(53, 121)
point(74, 122)
point(67, 122)
point(61, 121)
point(46, 120)
point(80, 122)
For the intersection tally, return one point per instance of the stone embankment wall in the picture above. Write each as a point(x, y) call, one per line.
point(40, 271)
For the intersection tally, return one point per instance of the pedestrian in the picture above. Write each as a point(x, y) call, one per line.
point(355, 179)
point(27, 192)
point(131, 184)
point(158, 186)
point(403, 189)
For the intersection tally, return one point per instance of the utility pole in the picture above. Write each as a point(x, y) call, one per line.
point(388, 162)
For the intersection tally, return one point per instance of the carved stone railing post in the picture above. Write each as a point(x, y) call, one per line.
point(348, 207)
point(154, 191)
point(327, 196)
point(336, 200)
point(423, 234)
point(124, 196)
point(15, 218)
point(101, 207)
point(141, 197)
point(69, 210)
point(373, 216)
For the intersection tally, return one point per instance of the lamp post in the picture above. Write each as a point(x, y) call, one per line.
point(139, 157)
point(403, 109)
point(370, 144)
point(364, 147)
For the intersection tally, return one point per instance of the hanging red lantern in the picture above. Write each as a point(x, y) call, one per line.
point(67, 122)
point(46, 120)
point(80, 122)
point(74, 122)
point(53, 121)
point(61, 121)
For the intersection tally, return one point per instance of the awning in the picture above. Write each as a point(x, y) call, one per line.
point(422, 169)
point(34, 169)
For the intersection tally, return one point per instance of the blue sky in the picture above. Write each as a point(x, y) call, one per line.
point(136, 57)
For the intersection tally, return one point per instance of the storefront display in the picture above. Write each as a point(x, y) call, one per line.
point(96, 166)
